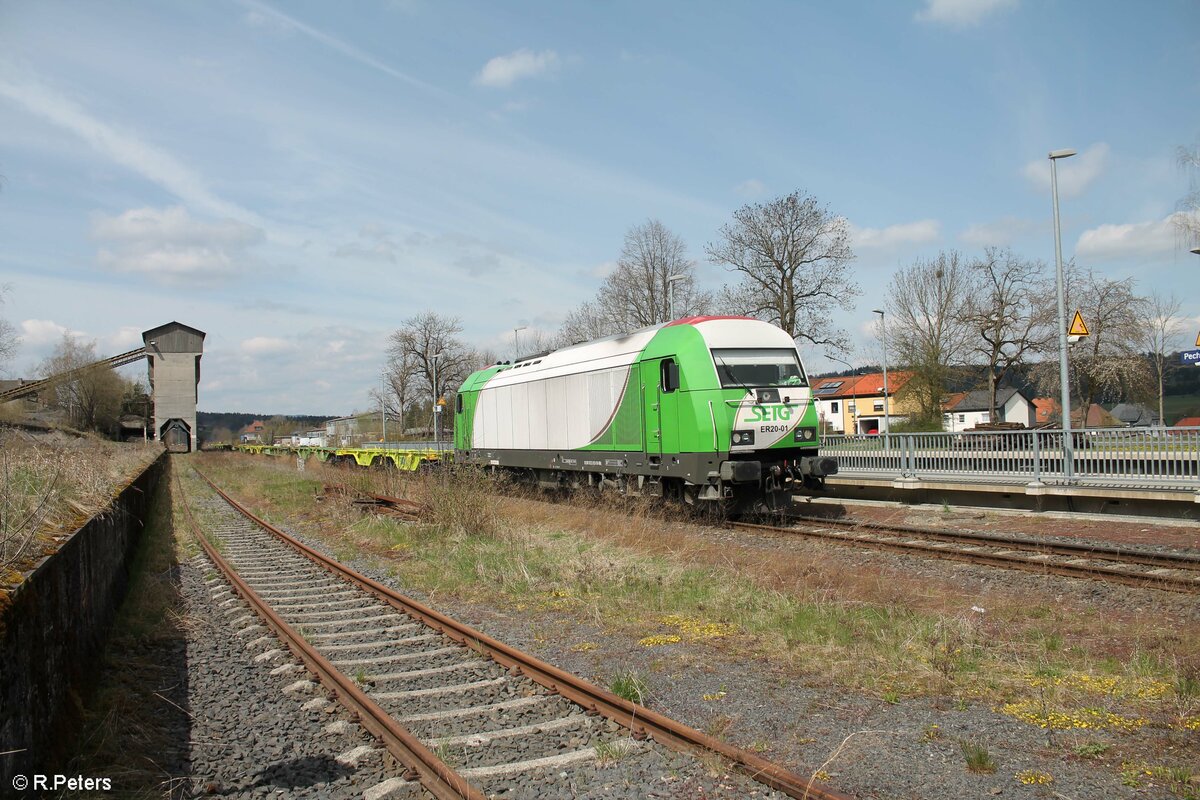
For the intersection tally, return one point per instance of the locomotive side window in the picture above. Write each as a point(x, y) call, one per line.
point(758, 367)
point(669, 378)
point(458, 404)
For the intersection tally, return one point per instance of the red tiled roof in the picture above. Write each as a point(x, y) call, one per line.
point(862, 385)
point(1188, 422)
point(1046, 407)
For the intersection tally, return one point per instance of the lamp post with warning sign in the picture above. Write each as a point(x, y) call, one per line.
point(1063, 371)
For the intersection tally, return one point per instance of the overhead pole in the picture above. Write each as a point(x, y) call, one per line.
point(1068, 445)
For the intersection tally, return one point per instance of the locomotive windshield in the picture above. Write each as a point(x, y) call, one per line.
point(758, 367)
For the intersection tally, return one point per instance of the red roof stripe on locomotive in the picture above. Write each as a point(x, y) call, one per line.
point(698, 320)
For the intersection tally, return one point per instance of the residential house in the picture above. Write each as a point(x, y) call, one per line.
point(1135, 415)
point(968, 409)
point(252, 432)
point(1188, 422)
point(1046, 411)
point(854, 404)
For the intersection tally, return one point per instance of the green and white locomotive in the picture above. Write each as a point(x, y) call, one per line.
point(704, 409)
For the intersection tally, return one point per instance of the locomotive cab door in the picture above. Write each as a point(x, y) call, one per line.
point(660, 385)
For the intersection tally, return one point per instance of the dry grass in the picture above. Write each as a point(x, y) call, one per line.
point(50, 484)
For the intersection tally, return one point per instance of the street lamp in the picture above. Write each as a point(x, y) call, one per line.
point(671, 281)
point(516, 341)
point(383, 405)
point(1063, 370)
point(887, 418)
point(437, 410)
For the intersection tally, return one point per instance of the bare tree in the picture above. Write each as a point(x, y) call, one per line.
point(92, 394)
point(1008, 303)
point(400, 382)
point(9, 340)
point(1106, 364)
point(1161, 333)
point(586, 322)
point(927, 327)
point(424, 336)
point(638, 292)
point(793, 256)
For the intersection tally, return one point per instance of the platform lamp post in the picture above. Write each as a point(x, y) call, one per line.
point(383, 405)
point(887, 417)
point(671, 281)
point(517, 342)
point(1068, 446)
point(437, 410)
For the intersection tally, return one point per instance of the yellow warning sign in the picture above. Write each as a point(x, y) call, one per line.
point(1198, 340)
point(1077, 326)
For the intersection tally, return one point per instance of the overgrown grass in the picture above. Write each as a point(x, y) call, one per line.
point(977, 757)
point(628, 685)
point(633, 568)
point(50, 484)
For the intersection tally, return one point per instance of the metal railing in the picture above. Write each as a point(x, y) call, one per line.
point(1147, 458)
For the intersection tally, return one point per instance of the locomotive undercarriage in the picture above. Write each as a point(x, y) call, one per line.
point(737, 485)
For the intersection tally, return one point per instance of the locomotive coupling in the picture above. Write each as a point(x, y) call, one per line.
point(741, 471)
point(818, 466)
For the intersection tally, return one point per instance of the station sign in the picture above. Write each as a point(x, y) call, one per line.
point(1190, 357)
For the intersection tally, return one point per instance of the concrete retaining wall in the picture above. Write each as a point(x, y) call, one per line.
point(52, 633)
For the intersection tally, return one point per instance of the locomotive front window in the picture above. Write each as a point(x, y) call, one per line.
point(755, 367)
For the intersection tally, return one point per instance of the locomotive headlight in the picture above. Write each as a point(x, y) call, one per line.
point(805, 435)
point(743, 437)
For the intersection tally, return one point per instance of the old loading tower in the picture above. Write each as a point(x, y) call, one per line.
point(173, 354)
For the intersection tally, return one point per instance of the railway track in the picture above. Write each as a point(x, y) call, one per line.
point(1178, 572)
point(468, 716)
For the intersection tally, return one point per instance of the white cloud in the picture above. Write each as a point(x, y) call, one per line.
point(123, 147)
point(961, 13)
point(265, 345)
point(169, 246)
point(1075, 174)
point(503, 71)
point(127, 337)
point(1000, 233)
point(40, 332)
point(920, 232)
point(1134, 241)
point(750, 188)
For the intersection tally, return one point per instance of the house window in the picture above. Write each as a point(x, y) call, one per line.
point(962, 417)
point(985, 416)
point(850, 407)
point(833, 407)
point(879, 405)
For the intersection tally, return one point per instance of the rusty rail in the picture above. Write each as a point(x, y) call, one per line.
point(1127, 578)
point(640, 721)
point(1105, 552)
point(441, 781)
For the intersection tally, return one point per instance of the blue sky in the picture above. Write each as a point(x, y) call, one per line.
point(297, 178)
